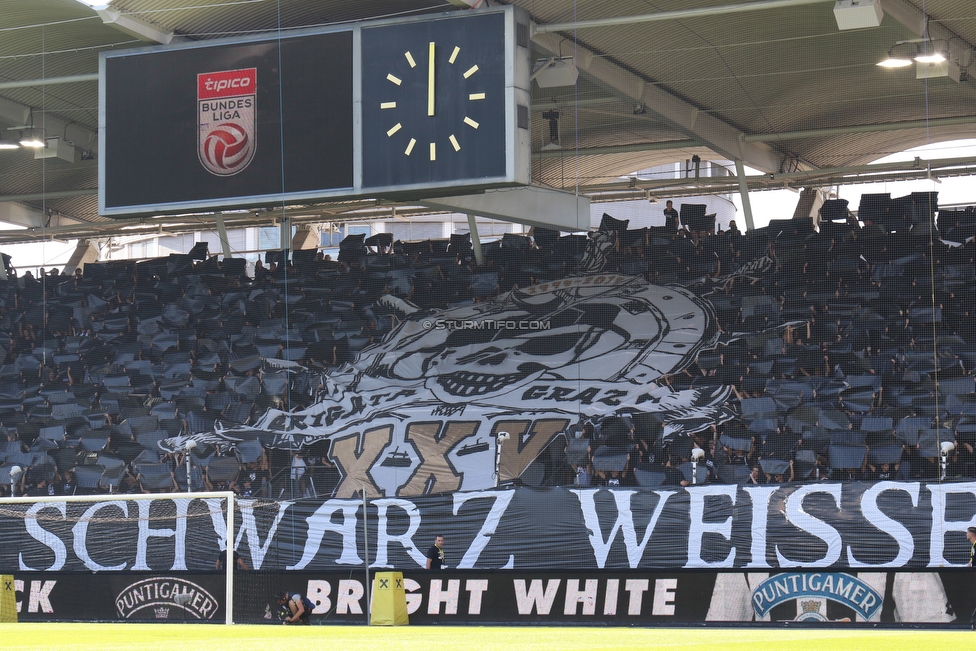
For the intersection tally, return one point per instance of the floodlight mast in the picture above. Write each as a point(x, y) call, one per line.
point(190, 445)
point(499, 440)
point(14, 474)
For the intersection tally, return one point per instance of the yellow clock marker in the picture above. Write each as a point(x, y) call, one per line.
point(409, 149)
point(430, 85)
point(471, 123)
point(433, 151)
point(396, 127)
point(387, 105)
point(470, 71)
point(413, 64)
point(395, 80)
point(473, 96)
point(454, 143)
point(454, 55)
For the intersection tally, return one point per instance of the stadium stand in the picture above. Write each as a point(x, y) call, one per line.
point(843, 361)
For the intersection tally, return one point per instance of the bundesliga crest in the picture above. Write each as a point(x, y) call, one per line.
point(226, 138)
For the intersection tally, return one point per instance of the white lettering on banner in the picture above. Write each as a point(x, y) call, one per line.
point(699, 527)
point(664, 596)
point(899, 532)
point(54, 536)
point(636, 588)
point(940, 526)
point(574, 596)
point(318, 592)
point(383, 537)
point(438, 595)
point(321, 521)
point(536, 597)
point(624, 523)
point(414, 598)
point(488, 527)
point(45, 537)
point(80, 533)
point(145, 533)
point(348, 596)
point(814, 526)
point(476, 588)
point(610, 597)
point(215, 507)
point(39, 597)
point(759, 496)
point(162, 592)
point(249, 528)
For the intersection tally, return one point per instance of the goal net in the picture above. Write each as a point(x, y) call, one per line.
point(172, 549)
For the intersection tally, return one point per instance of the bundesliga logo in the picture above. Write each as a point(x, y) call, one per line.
point(226, 138)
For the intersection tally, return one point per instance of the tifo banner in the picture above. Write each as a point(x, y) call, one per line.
point(421, 412)
point(517, 597)
point(857, 525)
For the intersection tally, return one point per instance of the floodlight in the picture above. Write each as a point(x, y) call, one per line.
point(930, 57)
point(32, 138)
point(555, 72)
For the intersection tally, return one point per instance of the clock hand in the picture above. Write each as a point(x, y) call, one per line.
point(430, 79)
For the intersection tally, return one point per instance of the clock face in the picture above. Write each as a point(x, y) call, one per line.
point(433, 101)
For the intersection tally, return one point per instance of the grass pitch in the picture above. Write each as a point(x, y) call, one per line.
point(153, 637)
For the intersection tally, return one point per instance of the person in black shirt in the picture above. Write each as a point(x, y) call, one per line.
point(296, 609)
point(238, 561)
point(671, 218)
point(435, 555)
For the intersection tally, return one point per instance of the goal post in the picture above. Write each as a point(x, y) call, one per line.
point(50, 520)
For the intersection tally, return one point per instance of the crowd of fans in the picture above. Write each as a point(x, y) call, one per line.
point(850, 351)
point(852, 359)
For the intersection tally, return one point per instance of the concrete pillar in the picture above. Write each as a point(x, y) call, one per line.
point(85, 252)
point(222, 234)
point(306, 237)
point(744, 193)
point(479, 256)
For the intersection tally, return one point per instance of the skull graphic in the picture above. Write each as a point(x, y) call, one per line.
point(604, 328)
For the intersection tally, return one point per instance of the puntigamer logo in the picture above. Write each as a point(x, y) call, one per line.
point(155, 598)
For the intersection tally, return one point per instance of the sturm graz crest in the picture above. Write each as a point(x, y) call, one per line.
point(226, 138)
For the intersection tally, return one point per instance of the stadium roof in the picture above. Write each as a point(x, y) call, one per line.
point(774, 83)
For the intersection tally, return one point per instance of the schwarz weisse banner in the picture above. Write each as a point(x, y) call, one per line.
point(858, 526)
point(514, 597)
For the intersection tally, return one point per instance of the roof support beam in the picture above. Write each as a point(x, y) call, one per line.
point(55, 194)
point(49, 81)
point(133, 26)
point(618, 149)
point(681, 14)
point(713, 133)
point(861, 128)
